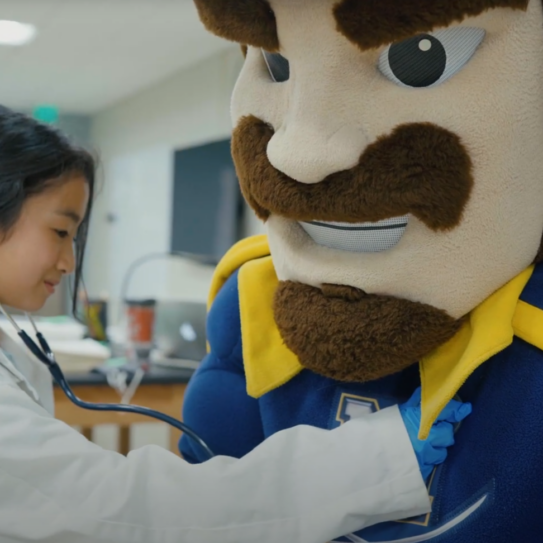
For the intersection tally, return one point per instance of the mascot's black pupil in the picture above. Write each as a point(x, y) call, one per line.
point(418, 61)
point(278, 66)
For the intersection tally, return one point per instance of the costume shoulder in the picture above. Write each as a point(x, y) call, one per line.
point(223, 322)
point(223, 325)
point(268, 362)
point(217, 393)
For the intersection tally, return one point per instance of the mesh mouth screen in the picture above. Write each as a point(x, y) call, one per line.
point(357, 238)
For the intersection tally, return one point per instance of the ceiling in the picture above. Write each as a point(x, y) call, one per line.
point(90, 54)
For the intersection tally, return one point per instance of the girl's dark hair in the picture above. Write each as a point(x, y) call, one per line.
point(33, 156)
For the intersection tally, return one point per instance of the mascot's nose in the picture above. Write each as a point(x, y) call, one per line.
point(309, 152)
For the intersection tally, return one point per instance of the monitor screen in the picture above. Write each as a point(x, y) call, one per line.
point(207, 201)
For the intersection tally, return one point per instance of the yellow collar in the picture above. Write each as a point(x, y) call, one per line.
point(488, 330)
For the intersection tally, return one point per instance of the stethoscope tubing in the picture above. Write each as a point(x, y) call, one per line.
point(46, 356)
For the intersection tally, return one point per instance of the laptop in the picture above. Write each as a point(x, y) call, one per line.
point(179, 334)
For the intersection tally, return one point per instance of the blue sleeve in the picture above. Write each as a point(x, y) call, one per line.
point(216, 404)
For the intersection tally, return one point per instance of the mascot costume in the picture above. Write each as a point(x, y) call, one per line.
point(394, 149)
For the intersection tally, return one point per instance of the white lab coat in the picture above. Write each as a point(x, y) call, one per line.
point(302, 485)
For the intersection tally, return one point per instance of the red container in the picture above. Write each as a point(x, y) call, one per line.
point(141, 319)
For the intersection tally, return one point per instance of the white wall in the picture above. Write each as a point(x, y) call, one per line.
point(136, 140)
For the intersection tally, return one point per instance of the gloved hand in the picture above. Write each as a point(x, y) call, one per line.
point(433, 450)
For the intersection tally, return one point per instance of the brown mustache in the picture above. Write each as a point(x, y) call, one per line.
point(420, 168)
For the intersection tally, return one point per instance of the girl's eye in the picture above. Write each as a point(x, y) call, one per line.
point(62, 234)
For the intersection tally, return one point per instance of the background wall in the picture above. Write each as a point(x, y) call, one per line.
point(77, 127)
point(136, 140)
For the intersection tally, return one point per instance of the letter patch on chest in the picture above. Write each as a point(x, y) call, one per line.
point(349, 405)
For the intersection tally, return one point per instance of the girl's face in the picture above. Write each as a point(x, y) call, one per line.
point(39, 250)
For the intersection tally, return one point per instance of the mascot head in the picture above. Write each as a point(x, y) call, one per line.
point(394, 149)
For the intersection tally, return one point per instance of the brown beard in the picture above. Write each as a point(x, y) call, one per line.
point(420, 169)
point(345, 334)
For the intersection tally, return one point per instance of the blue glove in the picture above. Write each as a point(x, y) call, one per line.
point(433, 450)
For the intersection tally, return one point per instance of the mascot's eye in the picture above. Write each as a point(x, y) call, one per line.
point(278, 66)
point(428, 60)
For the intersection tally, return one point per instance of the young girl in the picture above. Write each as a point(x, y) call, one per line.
point(55, 486)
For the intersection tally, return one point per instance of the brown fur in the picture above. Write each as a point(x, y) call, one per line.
point(250, 22)
point(420, 169)
point(342, 333)
point(373, 23)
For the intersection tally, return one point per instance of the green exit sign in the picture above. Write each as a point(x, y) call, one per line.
point(46, 114)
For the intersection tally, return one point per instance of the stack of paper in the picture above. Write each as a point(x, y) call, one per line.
point(74, 354)
point(79, 355)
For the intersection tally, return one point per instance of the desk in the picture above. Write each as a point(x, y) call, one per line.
point(161, 389)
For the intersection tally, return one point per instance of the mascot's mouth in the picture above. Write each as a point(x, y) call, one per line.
point(365, 237)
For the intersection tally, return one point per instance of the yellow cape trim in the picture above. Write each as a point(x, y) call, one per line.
point(269, 363)
point(488, 330)
point(245, 250)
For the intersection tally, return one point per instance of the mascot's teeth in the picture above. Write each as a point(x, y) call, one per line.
point(366, 237)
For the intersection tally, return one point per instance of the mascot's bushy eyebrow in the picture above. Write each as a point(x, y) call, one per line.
point(249, 22)
point(368, 23)
point(373, 23)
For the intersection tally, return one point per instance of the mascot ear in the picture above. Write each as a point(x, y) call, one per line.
point(250, 22)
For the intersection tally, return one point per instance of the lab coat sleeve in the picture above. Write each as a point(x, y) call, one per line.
point(302, 485)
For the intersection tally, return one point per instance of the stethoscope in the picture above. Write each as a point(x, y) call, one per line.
point(45, 355)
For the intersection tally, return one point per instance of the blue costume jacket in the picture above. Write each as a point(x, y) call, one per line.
point(490, 489)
